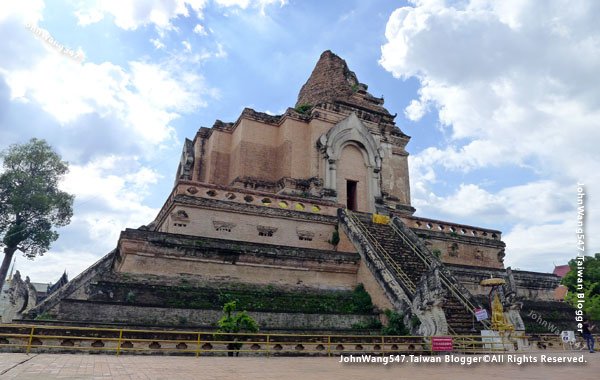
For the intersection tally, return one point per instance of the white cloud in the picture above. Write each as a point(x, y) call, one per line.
point(539, 246)
point(49, 268)
point(99, 116)
point(515, 84)
point(110, 194)
point(26, 12)
point(135, 95)
point(233, 3)
point(261, 4)
point(131, 14)
point(199, 29)
point(220, 53)
point(534, 202)
point(119, 181)
point(158, 44)
point(187, 46)
point(415, 110)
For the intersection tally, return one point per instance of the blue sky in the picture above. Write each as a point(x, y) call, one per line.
point(500, 98)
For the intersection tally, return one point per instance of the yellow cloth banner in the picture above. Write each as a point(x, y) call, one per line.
point(381, 219)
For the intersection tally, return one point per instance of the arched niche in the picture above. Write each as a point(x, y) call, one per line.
point(351, 132)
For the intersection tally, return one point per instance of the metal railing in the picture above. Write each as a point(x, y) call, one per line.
point(43, 338)
point(387, 257)
point(406, 281)
point(429, 260)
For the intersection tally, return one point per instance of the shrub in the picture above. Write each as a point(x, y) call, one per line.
point(45, 316)
point(361, 300)
point(335, 237)
point(303, 108)
point(235, 322)
point(395, 325)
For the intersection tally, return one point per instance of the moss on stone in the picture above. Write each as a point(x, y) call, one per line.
point(248, 297)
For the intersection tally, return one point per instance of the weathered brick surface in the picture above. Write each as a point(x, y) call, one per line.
point(246, 219)
point(97, 270)
point(251, 204)
point(234, 261)
point(270, 148)
point(331, 80)
point(86, 311)
point(460, 244)
point(530, 285)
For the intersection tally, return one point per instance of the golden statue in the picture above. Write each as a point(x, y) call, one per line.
point(499, 323)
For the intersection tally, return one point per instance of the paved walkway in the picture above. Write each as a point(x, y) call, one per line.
point(84, 366)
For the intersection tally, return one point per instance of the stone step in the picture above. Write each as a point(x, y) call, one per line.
point(458, 317)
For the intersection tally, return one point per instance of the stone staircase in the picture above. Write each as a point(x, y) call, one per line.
point(402, 250)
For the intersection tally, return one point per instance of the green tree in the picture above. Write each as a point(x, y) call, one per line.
point(232, 322)
point(31, 204)
point(590, 285)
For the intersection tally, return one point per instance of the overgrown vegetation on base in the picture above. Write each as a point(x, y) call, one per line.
point(247, 297)
point(395, 324)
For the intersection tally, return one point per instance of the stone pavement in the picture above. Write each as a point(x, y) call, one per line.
point(85, 366)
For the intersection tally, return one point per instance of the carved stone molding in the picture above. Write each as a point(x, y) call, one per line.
point(266, 230)
point(223, 226)
point(351, 131)
point(180, 215)
point(305, 235)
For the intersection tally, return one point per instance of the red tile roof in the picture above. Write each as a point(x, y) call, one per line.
point(561, 270)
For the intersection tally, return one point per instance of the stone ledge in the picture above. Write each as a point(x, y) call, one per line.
point(446, 228)
point(473, 240)
point(215, 204)
point(520, 274)
point(91, 311)
point(197, 243)
point(101, 266)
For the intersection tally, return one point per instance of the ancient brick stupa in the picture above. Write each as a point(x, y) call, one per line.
point(276, 212)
